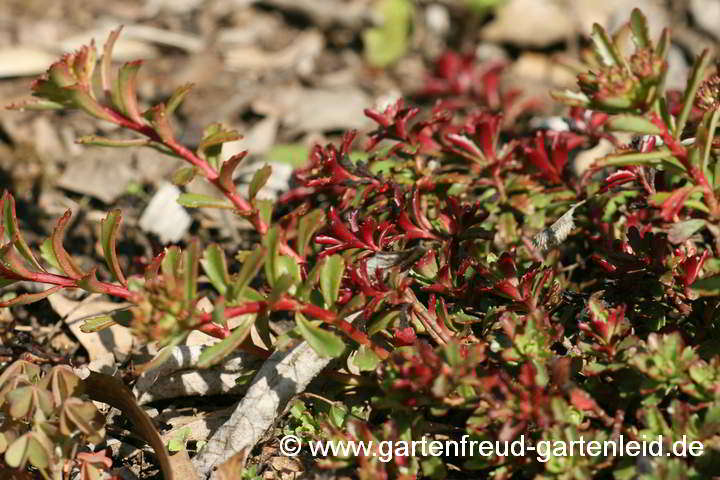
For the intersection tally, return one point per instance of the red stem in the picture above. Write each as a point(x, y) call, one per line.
point(287, 304)
point(67, 282)
point(212, 175)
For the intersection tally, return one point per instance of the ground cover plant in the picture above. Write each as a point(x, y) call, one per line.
point(461, 275)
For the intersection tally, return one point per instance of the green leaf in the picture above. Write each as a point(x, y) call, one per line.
point(633, 124)
point(249, 270)
point(388, 42)
point(307, 226)
point(215, 267)
point(259, 180)
point(177, 97)
point(170, 266)
point(109, 227)
point(695, 79)
point(325, 343)
point(282, 284)
point(184, 175)
point(365, 359)
point(331, 275)
point(197, 200)
point(190, 269)
point(95, 140)
point(639, 28)
point(604, 47)
point(26, 448)
point(337, 415)
point(218, 313)
point(95, 324)
point(215, 353)
point(211, 145)
point(644, 158)
point(707, 287)
point(271, 244)
point(178, 440)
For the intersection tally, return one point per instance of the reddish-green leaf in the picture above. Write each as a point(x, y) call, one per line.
point(211, 144)
point(30, 297)
point(109, 228)
point(215, 353)
point(127, 84)
point(11, 227)
point(62, 384)
point(90, 283)
point(66, 263)
point(227, 169)
point(177, 97)
point(78, 416)
point(160, 122)
point(80, 98)
point(107, 62)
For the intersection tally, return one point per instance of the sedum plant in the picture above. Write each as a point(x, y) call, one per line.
point(483, 287)
point(47, 423)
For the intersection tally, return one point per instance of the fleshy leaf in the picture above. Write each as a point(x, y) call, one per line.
point(215, 353)
point(109, 228)
point(190, 269)
point(227, 169)
point(259, 180)
point(177, 97)
point(251, 266)
point(127, 84)
point(13, 232)
point(183, 176)
point(63, 257)
point(307, 226)
point(215, 266)
point(331, 275)
point(30, 297)
point(633, 124)
point(325, 343)
point(198, 200)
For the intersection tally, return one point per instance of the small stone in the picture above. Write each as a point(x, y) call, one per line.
point(164, 216)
